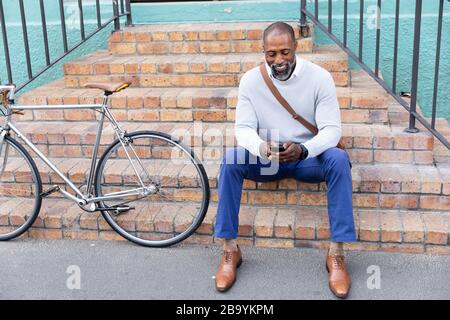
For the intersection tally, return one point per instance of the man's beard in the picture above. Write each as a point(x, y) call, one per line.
point(286, 73)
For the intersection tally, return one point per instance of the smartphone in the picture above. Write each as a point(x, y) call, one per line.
point(277, 149)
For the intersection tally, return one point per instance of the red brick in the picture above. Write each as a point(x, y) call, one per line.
point(403, 248)
point(399, 201)
point(44, 233)
point(322, 225)
point(365, 200)
point(436, 228)
point(369, 226)
point(80, 234)
point(89, 221)
point(110, 236)
point(444, 250)
point(312, 244)
point(264, 222)
point(274, 243)
point(435, 202)
point(246, 221)
point(263, 197)
point(393, 156)
point(412, 227)
point(284, 223)
point(391, 227)
point(305, 223)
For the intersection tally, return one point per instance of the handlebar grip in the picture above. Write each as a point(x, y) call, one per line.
point(10, 91)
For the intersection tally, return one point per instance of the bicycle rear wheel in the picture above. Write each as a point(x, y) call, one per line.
point(179, 186)
point(20, 190)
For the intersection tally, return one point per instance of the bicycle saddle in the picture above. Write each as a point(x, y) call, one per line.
point(110, 87)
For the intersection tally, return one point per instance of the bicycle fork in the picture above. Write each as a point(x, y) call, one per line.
point(5, 158)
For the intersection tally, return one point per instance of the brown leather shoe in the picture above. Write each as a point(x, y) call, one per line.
point(338, 278)
point(226, 273)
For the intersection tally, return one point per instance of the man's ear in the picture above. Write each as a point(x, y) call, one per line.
point(295, 45)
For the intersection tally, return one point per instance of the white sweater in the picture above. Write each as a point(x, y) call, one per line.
point(311, 93)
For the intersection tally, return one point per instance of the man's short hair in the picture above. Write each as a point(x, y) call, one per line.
point(279, 28)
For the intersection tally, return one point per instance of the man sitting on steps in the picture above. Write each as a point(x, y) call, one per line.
point(311, 92)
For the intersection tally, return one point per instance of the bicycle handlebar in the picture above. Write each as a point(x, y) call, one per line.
point(10, 91)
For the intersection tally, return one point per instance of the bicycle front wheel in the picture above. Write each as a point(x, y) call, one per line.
point(20, 190)
point(176, 183)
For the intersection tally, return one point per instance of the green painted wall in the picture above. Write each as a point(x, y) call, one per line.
point(405, 49)
point(244, 11)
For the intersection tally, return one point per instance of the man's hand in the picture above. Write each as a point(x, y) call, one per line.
point(264, 150)
point(292, 153)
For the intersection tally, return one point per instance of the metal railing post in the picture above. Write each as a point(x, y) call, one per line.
point(116, 17)
point(415, 69)
point(129, 18)
point(25, 39)
point(44, 32)
point(63, 25)
point(5, 43)
point(304, 29)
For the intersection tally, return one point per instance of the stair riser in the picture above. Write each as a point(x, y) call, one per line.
point(209, 140)
point(101, 64)
point(215, 153)
point(78, 172)
point(183, 99)
point(283, 198)
point(268, 242)
point(202, 47)
point(388, 194)
point(201, 31)
point(151, 115)
point(201, 34)
point(74, 233)
point(269, 226)
point(181, 81)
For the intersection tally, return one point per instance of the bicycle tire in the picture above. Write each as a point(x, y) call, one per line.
point(28, 219)
point(122, 231)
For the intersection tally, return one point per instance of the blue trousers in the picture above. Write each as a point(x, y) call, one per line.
point(332, 166)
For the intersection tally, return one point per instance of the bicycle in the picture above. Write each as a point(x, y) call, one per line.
point(143, 183)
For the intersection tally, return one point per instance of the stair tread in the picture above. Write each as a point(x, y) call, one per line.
point(105, 57)
point(201, 26)
point(64, 127)
point(403, 226)
point(58, 89)
point(380, 173)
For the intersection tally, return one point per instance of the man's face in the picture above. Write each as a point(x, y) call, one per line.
point(279, 51)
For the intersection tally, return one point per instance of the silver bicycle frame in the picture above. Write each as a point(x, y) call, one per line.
point(81, 199)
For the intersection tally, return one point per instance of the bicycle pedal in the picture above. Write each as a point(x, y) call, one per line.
point(124, 209)
point(117, 210)
point(49, 191)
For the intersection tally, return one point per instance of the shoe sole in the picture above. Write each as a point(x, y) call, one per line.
point(341, 296)
point(227, 288)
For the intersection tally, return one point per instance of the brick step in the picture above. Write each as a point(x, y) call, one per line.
point(380, 186)
point(224, 37)
point(361, 103)
point(365, 143)
point(399, 116)
point(440, 152)
point(367, 178)
point(190, 70)
point(386, 230)
point(374, 186)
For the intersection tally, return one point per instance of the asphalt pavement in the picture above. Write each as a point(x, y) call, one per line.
point(69, 269)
